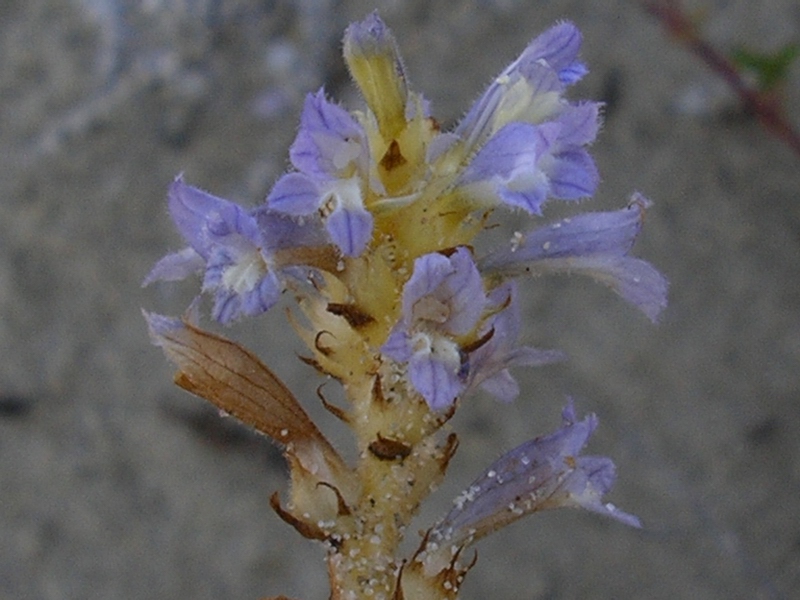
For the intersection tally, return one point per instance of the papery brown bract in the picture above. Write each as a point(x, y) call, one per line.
point(238, 383)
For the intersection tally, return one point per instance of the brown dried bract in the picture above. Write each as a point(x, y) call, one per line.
point(307, 530)
point(393, 157)
point(388, 449)
point(337, 412)
point(356, 317)
point(237, 382)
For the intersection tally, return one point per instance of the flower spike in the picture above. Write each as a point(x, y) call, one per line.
point(374, 232)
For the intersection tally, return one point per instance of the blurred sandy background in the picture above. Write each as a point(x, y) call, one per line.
point(115, 484)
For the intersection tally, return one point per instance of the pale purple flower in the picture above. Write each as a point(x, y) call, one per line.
point(546, 472)
point(527, 143)
point(443, 299)
point(594, 244)
point(489, 364)
point(529, 89)
point(522, 165)
point(330, 154)
point(232, 247)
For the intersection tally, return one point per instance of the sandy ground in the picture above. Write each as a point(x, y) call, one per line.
point(115, 484)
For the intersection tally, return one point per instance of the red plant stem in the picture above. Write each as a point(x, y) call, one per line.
point(763, 106)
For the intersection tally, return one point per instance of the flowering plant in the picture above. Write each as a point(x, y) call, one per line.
point(372, 233)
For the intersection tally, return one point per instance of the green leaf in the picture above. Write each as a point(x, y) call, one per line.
point(771, 69)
